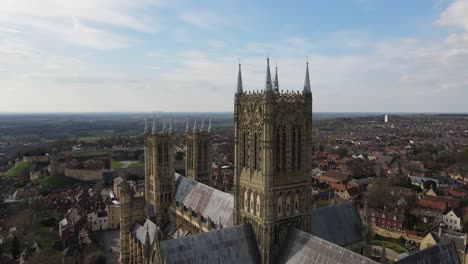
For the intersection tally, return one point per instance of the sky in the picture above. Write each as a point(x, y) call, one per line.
point(176, 55)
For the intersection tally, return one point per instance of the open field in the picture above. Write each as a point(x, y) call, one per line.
point(20, 171)
point(58, 181)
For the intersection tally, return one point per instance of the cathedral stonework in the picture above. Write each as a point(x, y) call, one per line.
point(199, 153)
point(273, 138)
point(159, 172)
point(272, 186)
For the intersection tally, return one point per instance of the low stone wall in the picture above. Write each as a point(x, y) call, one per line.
point(86, 153)
point(134, 171)
point(84, 175)
point(30, 159)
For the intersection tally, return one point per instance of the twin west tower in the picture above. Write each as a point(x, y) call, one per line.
point(273, 139)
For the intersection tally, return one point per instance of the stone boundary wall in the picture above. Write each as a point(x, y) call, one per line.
point(30, 159)
point(135, 171)
point(84, 175)
point(86, 153)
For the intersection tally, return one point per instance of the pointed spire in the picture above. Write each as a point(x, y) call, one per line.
point(276, 80)
point(307, 80)
point(164, 126)
point(209, 126)
point(202, 125)
point(170, 126)
point(147, 243)
point(195, 126)
point(187, 126)
point(268, 85)
point(153, 131)
point(146, 126)
point(239, 81)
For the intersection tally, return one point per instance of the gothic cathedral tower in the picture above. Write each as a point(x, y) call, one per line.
point(159, 171)
point(273, 137)
point(199, 153)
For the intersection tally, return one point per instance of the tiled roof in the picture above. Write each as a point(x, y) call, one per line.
point(339, 224)
point(228, 245)
point(301, 248)
point(207, 201)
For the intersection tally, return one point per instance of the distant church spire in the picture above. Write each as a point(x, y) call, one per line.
point(276, 80)
point(153, 131)
point(170, 125)
point(268, 85)
point(209, 126)
point(195, 126)
point(187, 126)
point(307, 80)
point(239, 81)
point(202, 125)
point(146, 126)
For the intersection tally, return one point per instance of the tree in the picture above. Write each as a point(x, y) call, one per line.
point(15, 247)
point(378, 194)
point(341, 151)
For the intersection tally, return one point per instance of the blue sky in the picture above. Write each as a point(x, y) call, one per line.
point(145, 55)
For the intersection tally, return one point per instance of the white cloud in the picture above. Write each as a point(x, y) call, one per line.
point(455, 15)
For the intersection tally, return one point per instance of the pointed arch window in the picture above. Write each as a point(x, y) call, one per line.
point(299, 149)
point(293, 149)
point(160, 154)
point(296, 203)
point(280, 206)
point(166, 156)
point(252, 203)
point(288, 205)
point(278, 151)
point(243, 149)
point(255, 150)
point(258, 205)
point(246, 200)
point(283, 148)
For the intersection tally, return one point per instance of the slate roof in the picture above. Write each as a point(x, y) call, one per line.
point(207, 201)
point(339, 224)
point(228, 245)
point(442, 253)
point(140, 231)
point(300, 247)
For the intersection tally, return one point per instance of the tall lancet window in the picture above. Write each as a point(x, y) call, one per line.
point(248, 149)
point(293, 149)
point(278, 151)
point(205, 155)
point(283, 148)
point(160, 155)
point(243, 149)
point(299, 149)
point(255, 151)
point(200, 154)
point(166, 153)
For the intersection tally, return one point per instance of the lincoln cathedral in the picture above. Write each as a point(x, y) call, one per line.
point(270, 217)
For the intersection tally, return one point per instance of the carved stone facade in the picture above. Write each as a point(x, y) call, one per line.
point(199, 153)
point(159, 174)
point(273, 136)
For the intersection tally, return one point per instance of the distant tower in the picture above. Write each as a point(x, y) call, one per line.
point(199, 154)
point(386, 119)
point(159, 171)
point(273, 139)
point(125, 201)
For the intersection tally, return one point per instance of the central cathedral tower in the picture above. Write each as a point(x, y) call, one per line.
point(273, 141)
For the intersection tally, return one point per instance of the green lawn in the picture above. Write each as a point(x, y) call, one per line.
point(136, 164)
point(398, 249)
point(21, 170)
point(58, 181)
point(421, 226)
point(115, 164)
